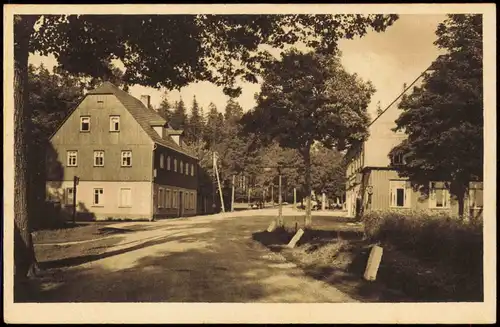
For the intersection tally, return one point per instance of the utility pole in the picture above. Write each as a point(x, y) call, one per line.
point(218, 182)
point(272, 195)
point(249, 190)
point(76, 180)
point(232, 196)
point(280, 211)
point(294, 198)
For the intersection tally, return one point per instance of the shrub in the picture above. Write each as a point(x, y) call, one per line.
point(435, 237)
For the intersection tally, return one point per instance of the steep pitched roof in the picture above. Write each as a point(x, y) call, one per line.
point(146, 117)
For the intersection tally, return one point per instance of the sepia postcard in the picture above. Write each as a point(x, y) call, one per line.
point(250, 163)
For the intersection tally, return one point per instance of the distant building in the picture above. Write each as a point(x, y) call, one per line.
point(130, 163)
point(374, 183)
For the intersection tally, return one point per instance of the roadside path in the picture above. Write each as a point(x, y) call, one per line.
point(199, 259)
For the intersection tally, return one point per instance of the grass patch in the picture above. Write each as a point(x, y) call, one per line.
point(80, 232)
point(336, 252)
point(48, 253)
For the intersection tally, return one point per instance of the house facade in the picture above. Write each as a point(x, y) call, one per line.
point(374, 183)
point(129, 162)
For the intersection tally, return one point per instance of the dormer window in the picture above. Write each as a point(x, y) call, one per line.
point(398, 159)
point(168, 163)
point(182, 167)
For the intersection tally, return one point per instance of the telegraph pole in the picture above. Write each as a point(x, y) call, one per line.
point(280, 211)
point(232, 196)
point(76, 180)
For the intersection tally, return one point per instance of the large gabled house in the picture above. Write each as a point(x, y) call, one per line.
point(373, 182)
point(130, 163)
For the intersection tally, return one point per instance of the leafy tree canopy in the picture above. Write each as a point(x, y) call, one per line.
point(175, 50)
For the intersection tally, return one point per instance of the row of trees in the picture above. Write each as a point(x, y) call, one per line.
point(157, 51)
point(244, 156)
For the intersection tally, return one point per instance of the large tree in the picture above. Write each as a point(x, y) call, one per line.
point(159, 51)
point(196, 124)
point(179, 118)
point(444, 117)
point(309, 97)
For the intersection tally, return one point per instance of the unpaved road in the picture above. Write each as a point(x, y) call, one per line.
point(199, 259)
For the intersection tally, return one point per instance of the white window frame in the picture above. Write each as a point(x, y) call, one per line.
point(160, 197)
point(69, 155)
point(82, 118)
point(175, 165)
point(432, 196)
point(98, 154)
point(181, 166)
point(192, 170)
point(186, 169)
point(69, 196)
point(114, 121)
point(162, 161)
point(99, 191)
point(120, 199)
point(126, 154)
point(175, 199)
point(168, 163)
point(394, 186)
point(168, 197)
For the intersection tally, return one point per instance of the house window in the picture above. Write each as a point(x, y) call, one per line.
point(69, 196)
point(125, 197)
point(162, 161)
point(439, 195)
point(72, 158)
point(168, 196)
point(126, 158)
point(98, 197)
point(400, 194)
point(186, 170)
point(175, 165)
point(160, 198)
point(192, 170)
point(98, 158)
point(114, 123)
point(398, 159)
point(182, 167)
point(100, 102)
point(168, 163)
point(175, 199)
point(476, 196)
point(85, 124)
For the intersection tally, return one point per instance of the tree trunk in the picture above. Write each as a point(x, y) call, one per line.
point(461, 201)
point(306, 155)
point(24, 254)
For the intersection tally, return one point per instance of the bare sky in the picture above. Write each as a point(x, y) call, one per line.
point(387, 59)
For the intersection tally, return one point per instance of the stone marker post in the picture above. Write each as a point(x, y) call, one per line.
point(373, 263)
point(295, 238)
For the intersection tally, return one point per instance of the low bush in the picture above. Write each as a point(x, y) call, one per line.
point(434, 237)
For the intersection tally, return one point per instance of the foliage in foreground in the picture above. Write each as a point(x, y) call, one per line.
point(432, 237)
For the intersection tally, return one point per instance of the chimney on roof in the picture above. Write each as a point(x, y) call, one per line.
point(146, 99)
